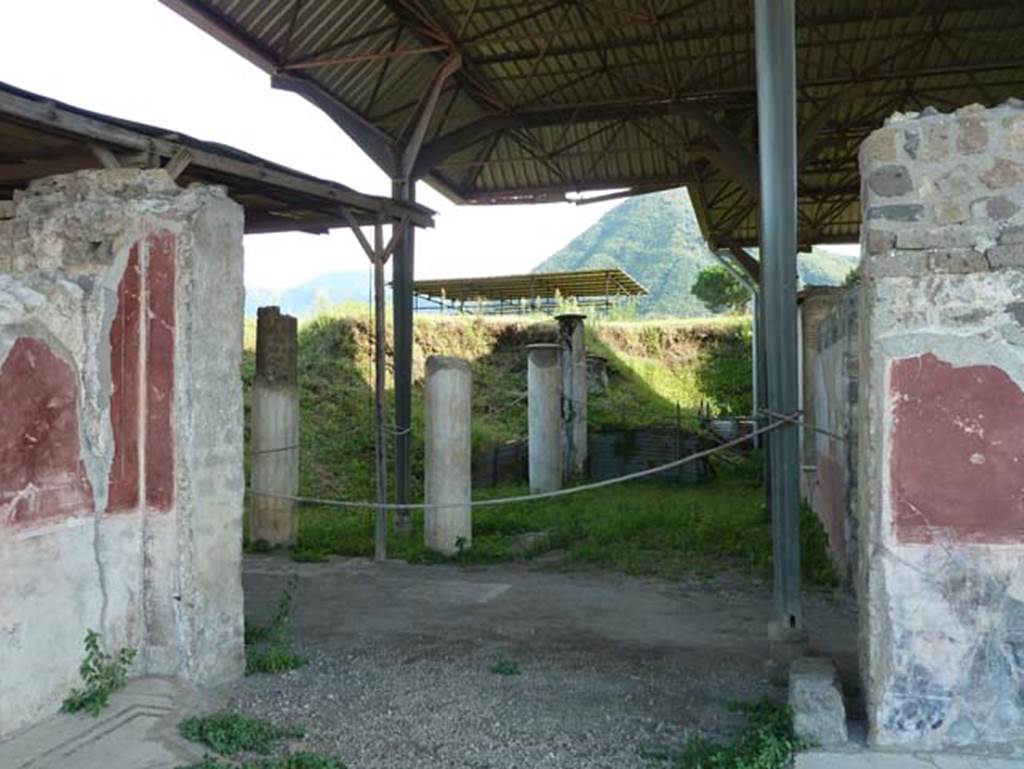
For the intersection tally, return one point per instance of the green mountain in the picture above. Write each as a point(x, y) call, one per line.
point(656, 239)
point(302, 300)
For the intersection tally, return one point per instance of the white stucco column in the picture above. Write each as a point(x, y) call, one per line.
point(447, 464)
point(544, 395)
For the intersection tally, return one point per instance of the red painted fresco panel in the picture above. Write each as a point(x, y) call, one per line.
point(124, 401)
point(160, 372)
point(957, 461)
point(41, 471)
point(832, 502)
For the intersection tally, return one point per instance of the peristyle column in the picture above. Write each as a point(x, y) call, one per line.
point(447, 463)
point(574, 395)
point(544, 410)
point(275, 429)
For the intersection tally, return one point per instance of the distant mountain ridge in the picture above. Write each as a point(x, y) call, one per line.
point(301, 300)
point(656, 239)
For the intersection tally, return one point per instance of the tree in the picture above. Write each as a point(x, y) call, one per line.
point(720, 290)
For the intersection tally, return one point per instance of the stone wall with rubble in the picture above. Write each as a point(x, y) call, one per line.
point(942, 429)
point(121, 442)
point(830, 436)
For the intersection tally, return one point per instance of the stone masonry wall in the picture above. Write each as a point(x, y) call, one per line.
point(834, 380)
point(120, 449)
point(941, 470)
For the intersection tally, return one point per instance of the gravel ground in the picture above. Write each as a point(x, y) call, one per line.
point(614, 670)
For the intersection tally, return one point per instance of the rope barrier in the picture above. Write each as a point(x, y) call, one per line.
point(365, 505)
point(797, 420)
point(274, 451)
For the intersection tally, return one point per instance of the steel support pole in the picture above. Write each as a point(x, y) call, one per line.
point(775, 32)
point(402, 309)
point(380, 436)
point(756, 345)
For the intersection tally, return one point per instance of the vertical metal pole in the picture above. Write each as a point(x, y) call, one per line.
point(775, 32)
point(755, 360)
point(381, 528)
point(402, 309)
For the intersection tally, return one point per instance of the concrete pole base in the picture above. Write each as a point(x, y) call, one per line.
point(785, 645)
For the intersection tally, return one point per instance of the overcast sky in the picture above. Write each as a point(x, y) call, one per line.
point(138, 60)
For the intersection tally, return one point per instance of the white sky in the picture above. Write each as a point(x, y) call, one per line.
point(138, 60)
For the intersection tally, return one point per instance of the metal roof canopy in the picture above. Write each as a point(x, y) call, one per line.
point(537, 98)
point(537, 285)
point(525, 100)
point(41, 137)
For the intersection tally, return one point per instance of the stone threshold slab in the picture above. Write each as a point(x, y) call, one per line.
point(137, 730)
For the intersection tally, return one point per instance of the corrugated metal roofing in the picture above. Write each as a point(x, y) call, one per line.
point(42, 137)
point(534, 285)
point(555, 96)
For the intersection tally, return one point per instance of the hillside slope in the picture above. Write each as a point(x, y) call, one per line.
point(656, 239)
point(652, 368)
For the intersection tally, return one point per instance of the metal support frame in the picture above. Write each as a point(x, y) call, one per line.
point(378, 254)
point(749, 282)
point(379, 384)
point(775, 31)
point(402, 274)
point(403, 189)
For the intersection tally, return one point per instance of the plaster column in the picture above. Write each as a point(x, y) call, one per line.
point(275, 429)
point(574, 395)
point(544, 399)
point(447, 464)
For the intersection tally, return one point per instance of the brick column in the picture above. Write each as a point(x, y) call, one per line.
point(941, 472)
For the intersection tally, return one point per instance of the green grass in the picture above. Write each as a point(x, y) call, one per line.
point(646, 529)
point(653, 368)
point(658, 371)
point(766, 741)
point(229, 733)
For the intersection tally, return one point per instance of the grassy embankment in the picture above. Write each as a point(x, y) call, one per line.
point(640, 528)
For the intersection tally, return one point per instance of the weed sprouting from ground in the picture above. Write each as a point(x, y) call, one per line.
point(294, 761)
point(505, 667)
point(232, 734)
point(268, 650)
point(766, 741)
point(229, 733)
point(103, 674)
